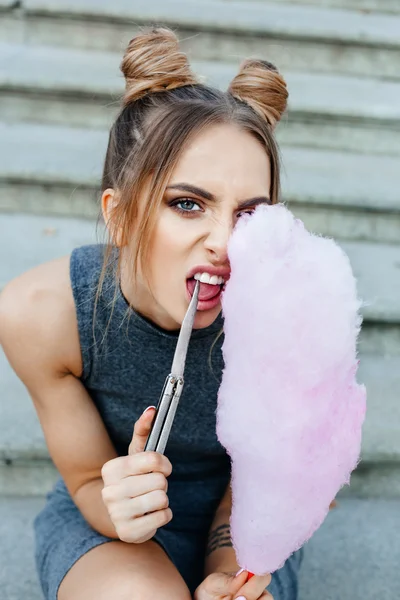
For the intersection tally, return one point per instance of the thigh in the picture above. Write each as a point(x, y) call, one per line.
point(124, 572)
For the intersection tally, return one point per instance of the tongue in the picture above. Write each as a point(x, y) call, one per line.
point(206, 291)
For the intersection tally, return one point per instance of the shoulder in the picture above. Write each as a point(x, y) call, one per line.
point(41, 289)
point(38, 320)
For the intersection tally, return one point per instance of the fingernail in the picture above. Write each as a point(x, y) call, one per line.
point(237, 575)
point(240, 598)
point(148, 408)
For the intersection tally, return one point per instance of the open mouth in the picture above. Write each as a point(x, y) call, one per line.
point(212, 283)
point(207, 291)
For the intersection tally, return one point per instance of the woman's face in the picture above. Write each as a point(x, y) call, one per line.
point(223, 173)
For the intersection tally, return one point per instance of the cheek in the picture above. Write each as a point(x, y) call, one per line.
point(173, 236)
point(168, 253)
point(166, 243)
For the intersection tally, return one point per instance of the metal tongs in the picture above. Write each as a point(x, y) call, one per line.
point(173, 385)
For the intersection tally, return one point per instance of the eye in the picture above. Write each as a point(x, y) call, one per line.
point(248, 211)
point(185, 205)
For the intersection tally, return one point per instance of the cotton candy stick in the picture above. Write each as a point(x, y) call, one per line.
point(290, 410)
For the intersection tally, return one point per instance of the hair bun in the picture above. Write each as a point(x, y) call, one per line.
point(153, 62)
point(260, 85)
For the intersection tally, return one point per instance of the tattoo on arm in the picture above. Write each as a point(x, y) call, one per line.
point(219, 538)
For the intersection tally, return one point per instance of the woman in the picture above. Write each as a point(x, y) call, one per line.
point(92, 337)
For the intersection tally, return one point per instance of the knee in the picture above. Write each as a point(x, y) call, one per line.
point(128, 588)
point(134, 589)
point(159, 592)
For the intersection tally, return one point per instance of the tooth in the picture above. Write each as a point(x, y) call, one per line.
point(210, 279)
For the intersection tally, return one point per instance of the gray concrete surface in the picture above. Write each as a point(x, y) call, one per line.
point(242, 17)
point(380, 6)
point(27, 478)
point(33, 239)
point(7, 4)
point(29, 240)
point(363, 113)
point(295, 37)
point(90, 72)
point(18, 579)
point(21, 436)
point(75, 156)
point(344, 195)
point(353, 556)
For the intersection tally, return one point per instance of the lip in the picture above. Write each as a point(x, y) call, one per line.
point(203, 305)
point(220, 271)
point(224, 272)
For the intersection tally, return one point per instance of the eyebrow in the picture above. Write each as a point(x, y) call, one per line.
point(192, 189)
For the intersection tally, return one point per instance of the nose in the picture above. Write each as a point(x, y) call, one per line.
point(216, 242)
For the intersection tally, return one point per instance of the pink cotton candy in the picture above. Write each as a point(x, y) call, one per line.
point(290, 410)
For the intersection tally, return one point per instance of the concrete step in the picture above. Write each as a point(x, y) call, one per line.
point(57, 170)
point(18, 577)
point(25, 468)
point(38, 239)
point(24, 463)
point(363, 6)
point(354, 554)
point(294, 36)
point(334, 111)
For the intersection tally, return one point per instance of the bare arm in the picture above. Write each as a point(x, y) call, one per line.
point(220, 555)
point(38, 332)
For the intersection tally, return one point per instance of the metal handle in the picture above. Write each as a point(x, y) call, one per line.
point(161, 414)
point(166, 430)
point(173, 385)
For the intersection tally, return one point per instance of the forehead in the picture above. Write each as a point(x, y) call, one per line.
point(225, 158)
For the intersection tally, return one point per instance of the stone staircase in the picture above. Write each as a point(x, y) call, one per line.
point(59, 90)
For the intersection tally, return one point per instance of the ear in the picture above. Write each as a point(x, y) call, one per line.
point(109, 201)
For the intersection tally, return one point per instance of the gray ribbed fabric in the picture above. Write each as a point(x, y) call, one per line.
point(125, 361)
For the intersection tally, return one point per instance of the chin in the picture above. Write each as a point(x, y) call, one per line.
point(205, 318)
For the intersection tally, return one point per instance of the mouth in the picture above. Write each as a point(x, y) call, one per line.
point(211, 288)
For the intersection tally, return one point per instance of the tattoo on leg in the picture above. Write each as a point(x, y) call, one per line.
point(219, 538)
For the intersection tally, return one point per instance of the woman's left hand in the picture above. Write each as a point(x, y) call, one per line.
point(226, 586)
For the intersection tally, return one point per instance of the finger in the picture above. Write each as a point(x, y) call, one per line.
point(139, 528)
point(266, 596)
point(133, 508)
point(137, 464)
point(220, 585)
point(255, 587)
point(141, 430)
point(133, 486)
point(224, 584)
point(138, 485)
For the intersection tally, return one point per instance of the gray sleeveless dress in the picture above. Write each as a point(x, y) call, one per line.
point(125, 361)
